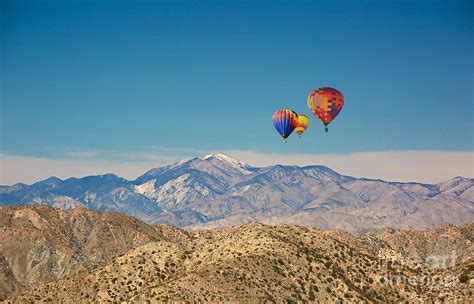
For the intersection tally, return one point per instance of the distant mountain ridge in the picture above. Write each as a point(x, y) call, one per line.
point(218, 191)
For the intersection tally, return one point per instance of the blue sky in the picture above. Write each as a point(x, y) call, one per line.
point(153, 77)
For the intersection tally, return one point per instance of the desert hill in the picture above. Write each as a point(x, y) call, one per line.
point(40, 243)
point(85, 255)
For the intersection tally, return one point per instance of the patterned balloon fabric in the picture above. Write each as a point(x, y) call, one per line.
point(325, 103)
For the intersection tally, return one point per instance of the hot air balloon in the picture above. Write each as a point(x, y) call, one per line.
point(325, 103)
point(302, 124)
point(284, 122)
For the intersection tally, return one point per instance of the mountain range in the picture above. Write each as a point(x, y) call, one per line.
point(218, 191)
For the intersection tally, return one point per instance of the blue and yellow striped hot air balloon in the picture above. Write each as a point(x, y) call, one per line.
point(284, 122)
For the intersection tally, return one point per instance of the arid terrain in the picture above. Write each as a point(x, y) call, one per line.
point(50, 254)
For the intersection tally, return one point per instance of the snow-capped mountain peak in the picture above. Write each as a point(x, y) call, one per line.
point(228, 161)
point(222, 157)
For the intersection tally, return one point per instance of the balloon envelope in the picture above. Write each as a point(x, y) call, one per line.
point(284, 122)
point(302, 124)
point(325, 103)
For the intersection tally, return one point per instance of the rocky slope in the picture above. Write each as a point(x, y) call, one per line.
point(250, 263)
point(41, 244)
point(217, 191)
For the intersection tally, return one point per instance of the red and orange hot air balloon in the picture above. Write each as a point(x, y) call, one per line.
point(325, 103)
point(301, 124)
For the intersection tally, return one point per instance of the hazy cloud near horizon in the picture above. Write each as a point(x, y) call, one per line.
point(406, 166)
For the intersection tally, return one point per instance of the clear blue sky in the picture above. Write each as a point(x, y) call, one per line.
point(127, 76)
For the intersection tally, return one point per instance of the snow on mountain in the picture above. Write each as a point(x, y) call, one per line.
point(181, 190)
point(147, 189)
point(185, 181)
point(457, 185)
point(219, 190)
point(155, 172)
point(226, 162)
